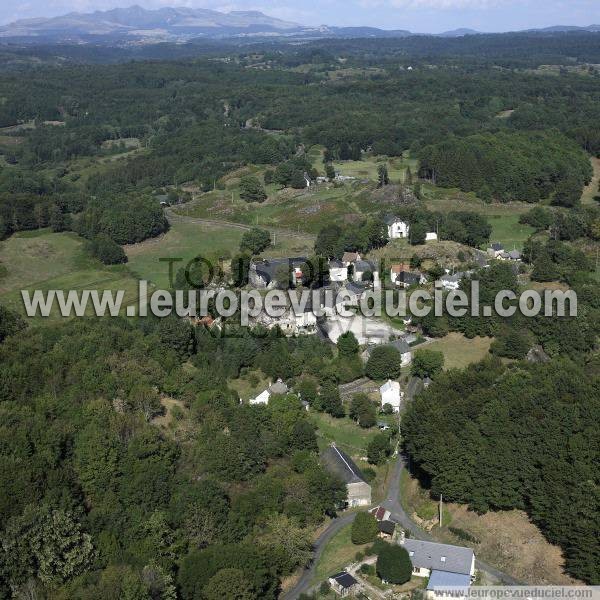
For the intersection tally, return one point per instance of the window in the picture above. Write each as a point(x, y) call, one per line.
point(443, 559)
point(411, 553)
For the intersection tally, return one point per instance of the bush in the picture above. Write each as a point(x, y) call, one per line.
point(463, 535)
point(251, 189)
point(393, 565)
point(255, 241)
point(364, 528)
point(427, 363)
point(367, 569)
point(379, 449)
point(106, 250)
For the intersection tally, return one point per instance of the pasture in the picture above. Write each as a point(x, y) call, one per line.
point(459, 352)
point(41, 260)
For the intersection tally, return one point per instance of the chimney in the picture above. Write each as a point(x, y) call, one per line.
point(401, 537)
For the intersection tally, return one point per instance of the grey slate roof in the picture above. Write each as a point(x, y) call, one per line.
point(439, 557)
point(497, 247)
point(390, 220)
point(267, 268)
point(401, 345)
point(279, 388)
point(514, 255)
point(409, 278)
point(336, 264)
point(364, 265)
point(441, 579)
point(344, 579)
point(356, 288)
point(387, 527)
point(339, 463)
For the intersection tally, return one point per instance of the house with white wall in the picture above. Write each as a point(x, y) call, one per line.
point(391, 394)
point(397, 228)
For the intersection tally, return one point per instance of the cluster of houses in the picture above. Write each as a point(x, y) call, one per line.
point(443, 565)
point(498, 252)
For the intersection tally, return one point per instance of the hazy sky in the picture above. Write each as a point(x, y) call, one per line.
point(416, 15)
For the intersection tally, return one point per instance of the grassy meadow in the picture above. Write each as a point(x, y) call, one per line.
point(41, 260)
point(459, 352)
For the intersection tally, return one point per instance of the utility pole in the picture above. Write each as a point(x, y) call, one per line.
point(441, 511)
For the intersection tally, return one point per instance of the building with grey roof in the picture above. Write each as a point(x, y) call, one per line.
point(342, 466)
point(343, 584)
point(264, 273)
point(427, 557)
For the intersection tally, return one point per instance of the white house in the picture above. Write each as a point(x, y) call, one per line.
point(391, 394)
point(431, 237)
point(337, 271)
point(279, 387)
point(405, 351)
point(397, 228)
point(452, 282)
point(262, 398)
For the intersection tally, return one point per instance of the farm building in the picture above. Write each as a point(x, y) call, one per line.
point(339, 463)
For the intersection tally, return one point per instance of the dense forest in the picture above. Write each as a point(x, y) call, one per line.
point(96, 502)
point(516, 166)
point(523, 436)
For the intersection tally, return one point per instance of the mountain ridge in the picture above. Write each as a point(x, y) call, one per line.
point(183, 23)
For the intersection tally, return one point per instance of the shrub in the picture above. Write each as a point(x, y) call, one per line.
point(463, 535)
point(393, 565)
point(364, 528)
point(106, 250)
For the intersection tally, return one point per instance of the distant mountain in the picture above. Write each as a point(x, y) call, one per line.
point(137, 24)
point(568, 29)
point(458, 33)
point(136, 21)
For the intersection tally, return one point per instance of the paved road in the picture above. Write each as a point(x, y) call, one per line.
point(304, 583)
point(391, 503)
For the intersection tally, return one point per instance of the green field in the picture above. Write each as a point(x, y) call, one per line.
point(44, 260)
point(366, 168)
point(507, 230)
point(344, 432)
point(187, 240)
point(504, 218)
point(459, 352)
point(296, 210)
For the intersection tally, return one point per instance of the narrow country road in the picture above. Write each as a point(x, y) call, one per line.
point(398, 514)
point(303, 585)
point(392, 503)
